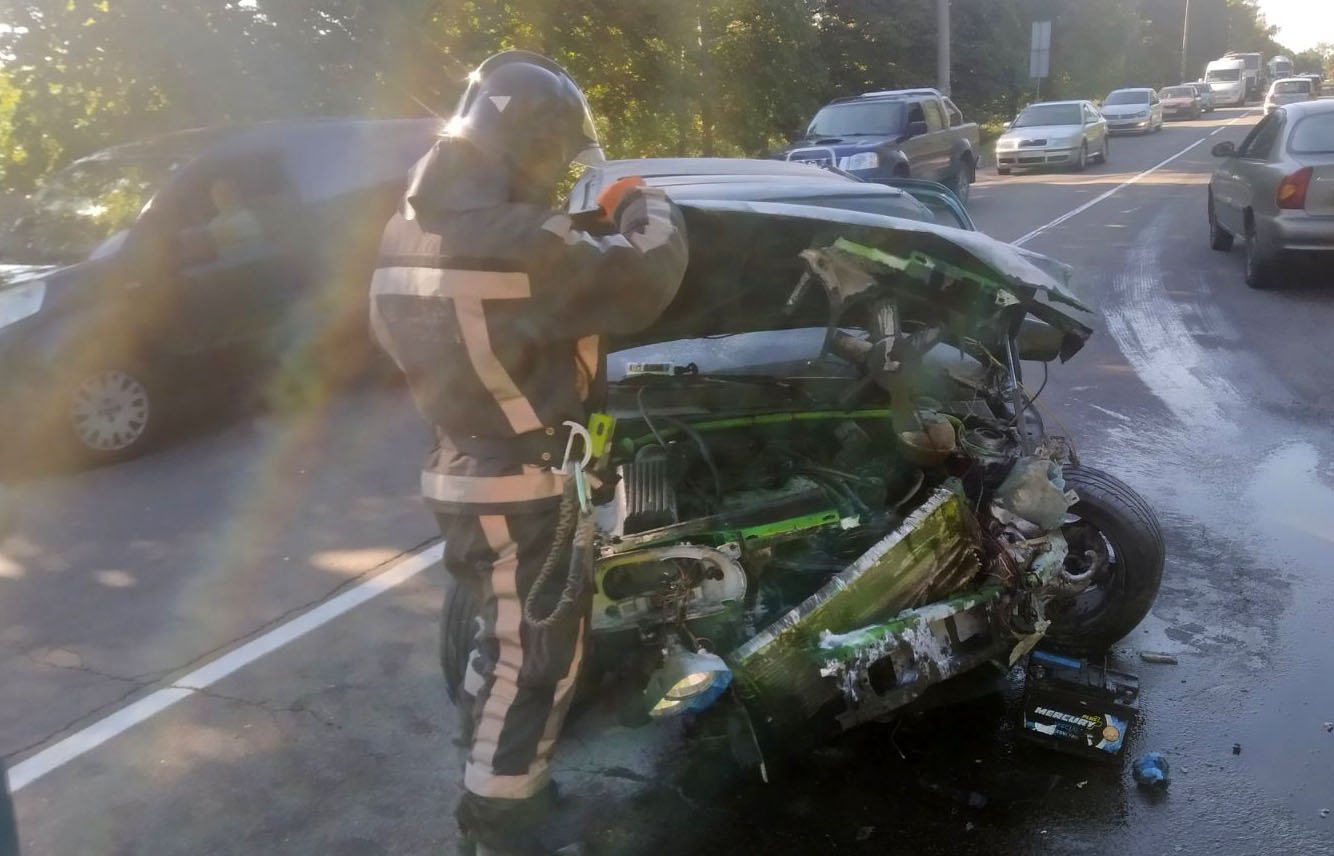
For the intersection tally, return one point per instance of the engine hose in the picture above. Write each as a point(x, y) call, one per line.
point(576, 530)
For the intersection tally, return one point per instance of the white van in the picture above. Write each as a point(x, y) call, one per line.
point(1227, 78)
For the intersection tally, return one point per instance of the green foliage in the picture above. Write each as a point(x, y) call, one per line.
point(724, 77)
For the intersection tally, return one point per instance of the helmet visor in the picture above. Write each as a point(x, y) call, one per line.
point(591, 153)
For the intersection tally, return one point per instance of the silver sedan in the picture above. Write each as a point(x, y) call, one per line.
point(1053, 133)
point(1275, 192)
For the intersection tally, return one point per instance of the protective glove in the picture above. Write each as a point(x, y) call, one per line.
point(615, 195)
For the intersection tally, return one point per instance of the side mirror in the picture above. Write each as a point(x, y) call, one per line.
point(1225, 149)
point(916, 129)
point(1038, 341)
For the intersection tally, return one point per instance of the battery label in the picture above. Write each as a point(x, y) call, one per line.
point(1093, 730)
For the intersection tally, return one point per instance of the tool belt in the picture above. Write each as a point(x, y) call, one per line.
point(542, 448)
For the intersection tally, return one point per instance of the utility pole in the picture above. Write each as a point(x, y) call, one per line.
point(943, 46)
point(1185, 40)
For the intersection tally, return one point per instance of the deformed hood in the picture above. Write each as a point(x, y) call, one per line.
point(745, 261)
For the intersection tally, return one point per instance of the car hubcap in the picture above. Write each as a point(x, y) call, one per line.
point(110, 411)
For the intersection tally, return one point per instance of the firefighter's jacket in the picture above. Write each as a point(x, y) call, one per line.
point(493, 310)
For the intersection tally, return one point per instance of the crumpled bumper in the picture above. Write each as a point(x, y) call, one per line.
point(835, 660)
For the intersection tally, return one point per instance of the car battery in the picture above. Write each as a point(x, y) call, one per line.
point(1077, 707)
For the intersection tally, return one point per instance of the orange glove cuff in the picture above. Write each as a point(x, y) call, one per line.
point(611, 197)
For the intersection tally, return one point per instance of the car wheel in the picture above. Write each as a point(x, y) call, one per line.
point(1219, 238)
point(1260, 270)
point(112, 414)
point(1112, 532)
point(963, 180)
point(1083, 162)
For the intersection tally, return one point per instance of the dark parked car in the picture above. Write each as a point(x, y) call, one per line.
point(154, 270)
point(879, 136)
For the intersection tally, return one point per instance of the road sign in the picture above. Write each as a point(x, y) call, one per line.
point(1039, 60)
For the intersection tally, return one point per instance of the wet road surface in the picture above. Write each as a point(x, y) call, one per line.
point(1212, 400)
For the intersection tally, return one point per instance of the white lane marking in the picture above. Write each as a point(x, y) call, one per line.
point(1115, 190)
point(58, 754)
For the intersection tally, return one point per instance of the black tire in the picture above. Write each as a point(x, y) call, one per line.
point(458, 629)
point(963, 179)
point(1083, 162)
point(1220, 239)
point(1261, 271)
point(1112, 518)
point(1106, 148)
point(1002, 170)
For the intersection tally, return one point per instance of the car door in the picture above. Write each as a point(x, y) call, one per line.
point(1095, 129)
point(918, 146)
point(1238, 175)
point(233, 264)
point(941, 141)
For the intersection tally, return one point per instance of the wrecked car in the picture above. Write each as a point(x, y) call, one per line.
point(824, 537)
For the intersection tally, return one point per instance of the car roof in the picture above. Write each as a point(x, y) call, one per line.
point(1045, 103)
point(1301, 78)
point(745, 178)
point(718, 169)
point(888, 95)
point(189, 144)
point(1144, 89)
point(1299, 109)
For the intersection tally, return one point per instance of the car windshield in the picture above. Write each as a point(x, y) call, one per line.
point(875, 118)
point(1177, 92)
point(79, 208)
point(1292, 87)
point(1049, 114)
point(1128, 96)
point(1223, 74)
point(1313, 135)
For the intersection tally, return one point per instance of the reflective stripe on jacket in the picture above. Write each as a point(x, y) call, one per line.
point(494, 312)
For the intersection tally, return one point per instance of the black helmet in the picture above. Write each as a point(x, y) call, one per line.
point(527, 108)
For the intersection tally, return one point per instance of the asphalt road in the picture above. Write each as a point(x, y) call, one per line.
point(120, 589)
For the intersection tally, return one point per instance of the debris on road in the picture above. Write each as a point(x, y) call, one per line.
point(1159, 658)
point(1329, 726)
point(1236, 748)
point(1324, 812)
point(1152, 771)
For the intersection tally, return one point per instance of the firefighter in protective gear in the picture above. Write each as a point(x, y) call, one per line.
point(493, 306)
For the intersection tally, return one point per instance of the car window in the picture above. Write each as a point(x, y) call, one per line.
point(81, 207)
point(1126, 96)
point(232, 205)
point(916, 113)
point(1292, 87)
point(935, 117)
point(1260, 141)
point(1313, 135)
point(857, 118)
point(955, 114)
point(1048, 114)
